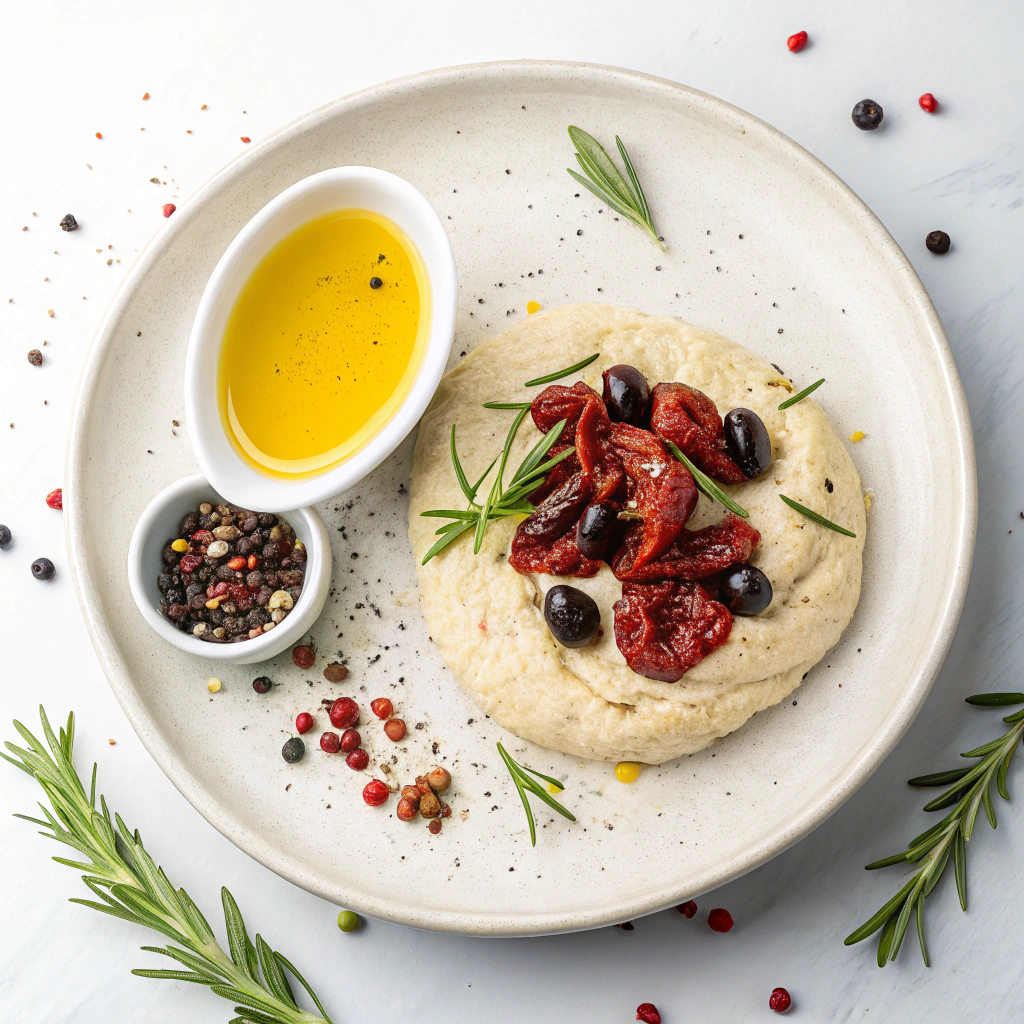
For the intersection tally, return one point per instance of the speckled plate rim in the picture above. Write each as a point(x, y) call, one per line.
point(871, 755)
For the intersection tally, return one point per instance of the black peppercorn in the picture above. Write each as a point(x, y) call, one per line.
point(35, 357)
point(68, 223)
point(5, 536)
point(42, 569)
point(261, 684)
point(937, 242)
point(375, 282)
point(293, 750)
point(867, 115)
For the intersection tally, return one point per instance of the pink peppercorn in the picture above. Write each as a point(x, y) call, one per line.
point(344, 713)
point(648, 1013)
point(394, 728)
point(375, 793)
point(720, 920)
point(779, 1000)
point(168, 209)
point(330, 742)
point(245, 138)
point(303, 656)
point(55, 499)
point(304, 722)
point(929, 103)
point(358, 760)
point(689, 908)
point(382, 707)
point(350, 740)
point(797, 41)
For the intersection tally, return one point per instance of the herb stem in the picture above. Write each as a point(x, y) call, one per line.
point(815, 517)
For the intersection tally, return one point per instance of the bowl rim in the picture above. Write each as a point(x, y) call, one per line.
point(256, 649)
point(868, 759)
point(270, 493)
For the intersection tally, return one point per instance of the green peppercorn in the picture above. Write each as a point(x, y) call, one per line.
point(348, 921)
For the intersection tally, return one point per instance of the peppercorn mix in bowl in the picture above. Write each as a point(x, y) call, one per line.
point(220, 590)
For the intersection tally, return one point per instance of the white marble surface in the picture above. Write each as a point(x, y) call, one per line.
point(68, 71)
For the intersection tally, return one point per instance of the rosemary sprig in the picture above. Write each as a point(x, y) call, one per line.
point(130, 885)
point(524, 782)
point(501, 501)
point(605, 180)
point(971, 791)
point(707, 486)
point(801, 395)
point(815, 517)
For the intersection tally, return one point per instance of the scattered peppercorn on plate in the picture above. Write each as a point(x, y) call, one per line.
point(419, 817)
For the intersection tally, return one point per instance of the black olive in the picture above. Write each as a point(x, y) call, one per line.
point(293, 750)
point(748, 442)
point(571, 615)
point(626, 393)
point(745, 590)
point(42, 569)
point(594, 529)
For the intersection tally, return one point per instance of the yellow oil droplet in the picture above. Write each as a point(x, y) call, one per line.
point(857, 435)
point(213, 685)
point(532, 307)
point(552, 788)
point(627, 771)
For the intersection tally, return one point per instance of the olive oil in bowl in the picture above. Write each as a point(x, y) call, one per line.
point(323, 343)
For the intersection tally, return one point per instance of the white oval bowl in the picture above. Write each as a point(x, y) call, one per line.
point(339, 188)
point(160, 521)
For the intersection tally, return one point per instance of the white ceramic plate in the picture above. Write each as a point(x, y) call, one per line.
point(766, 246)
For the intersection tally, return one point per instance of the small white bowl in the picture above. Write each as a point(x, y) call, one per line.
point(339, 188)
point(159, 523)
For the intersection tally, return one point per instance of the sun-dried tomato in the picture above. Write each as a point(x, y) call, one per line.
point(695, 554)
point(660, 491)
point(565, 469)
point(690, 420)
point(560, 510)
point(664, 629)
point(557, 402)
point(560, 557)
point(599, 461)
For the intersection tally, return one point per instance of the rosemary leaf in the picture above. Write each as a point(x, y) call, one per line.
point(815, 517)
point(801, 395)
point(506, 405)
point(707, 486)
point(995, 700)
point(548, 378)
